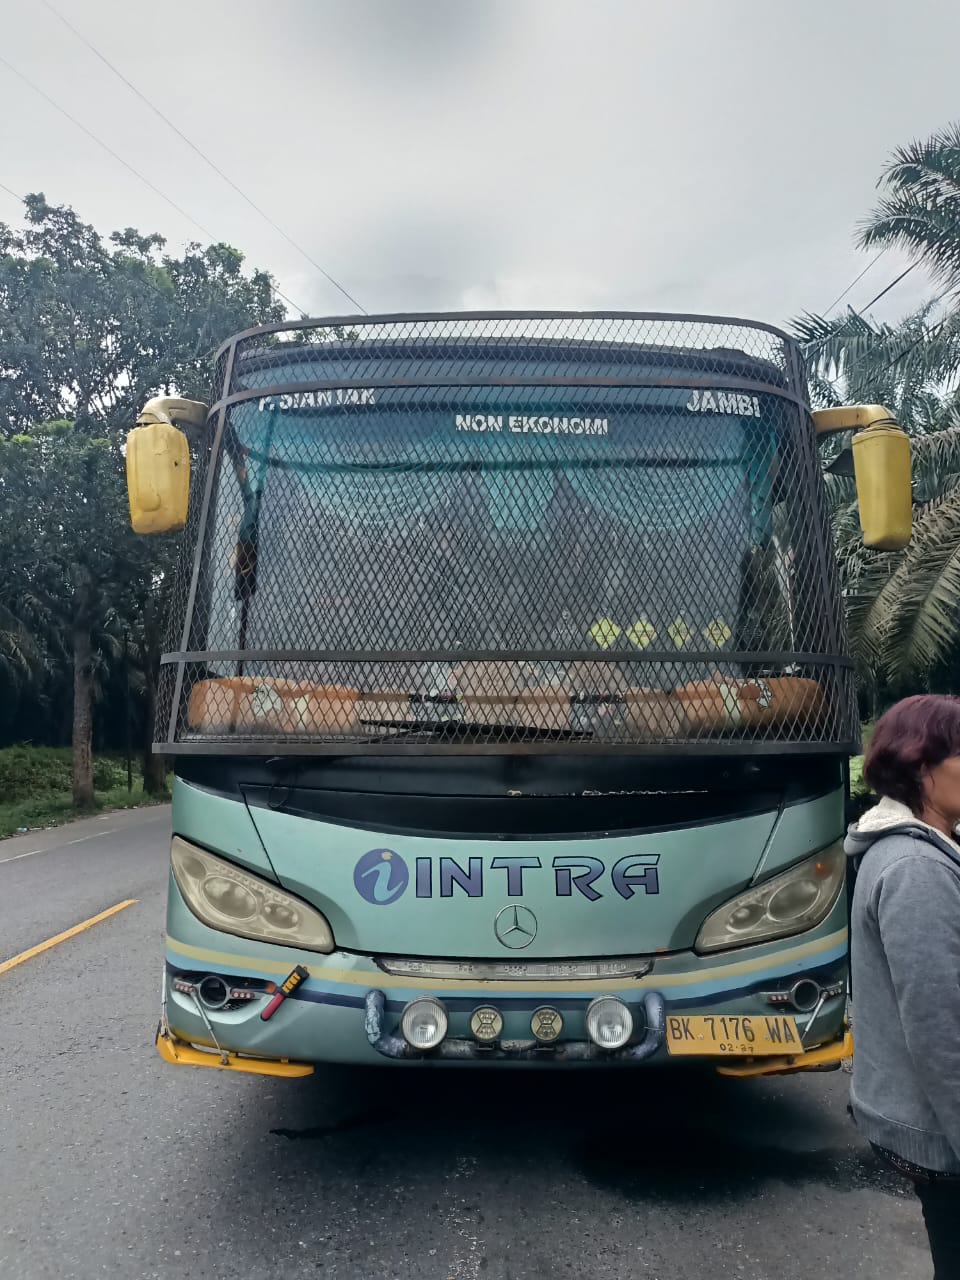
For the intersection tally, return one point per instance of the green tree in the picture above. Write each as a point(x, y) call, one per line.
point(920, 207)
point(907, 366)
point(141, 622)
point(903, 608)
point(89, 329)
point(64, 538)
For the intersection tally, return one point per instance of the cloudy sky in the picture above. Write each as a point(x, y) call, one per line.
point(435, 154)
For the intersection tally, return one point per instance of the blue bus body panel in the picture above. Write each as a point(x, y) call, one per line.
point(592, 895)
point(323, 1021)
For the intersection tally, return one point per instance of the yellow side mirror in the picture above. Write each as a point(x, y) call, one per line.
point(158, 477)
point(183, 413)
point(881, 465)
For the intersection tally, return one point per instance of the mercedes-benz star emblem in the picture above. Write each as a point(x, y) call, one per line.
point(515, 927)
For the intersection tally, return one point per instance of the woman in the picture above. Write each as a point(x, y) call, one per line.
point(905, 944)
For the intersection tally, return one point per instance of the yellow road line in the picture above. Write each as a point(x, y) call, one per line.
point(62, 937)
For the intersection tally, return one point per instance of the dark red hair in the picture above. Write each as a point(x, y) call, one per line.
point(917, 734)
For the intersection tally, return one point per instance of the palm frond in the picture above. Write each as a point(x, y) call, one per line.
point(931, 165)
point(21, 652)
point(919, 208)
point(841, 491)
point(922, 628)
point(872, 589)
point(936, 463)
point(912, 367)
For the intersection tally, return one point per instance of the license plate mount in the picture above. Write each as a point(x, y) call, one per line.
point(732, 1035)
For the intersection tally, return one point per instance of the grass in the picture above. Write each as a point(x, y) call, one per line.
point(35, 788)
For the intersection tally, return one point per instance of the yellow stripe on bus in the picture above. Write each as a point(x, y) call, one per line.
point(371, 977)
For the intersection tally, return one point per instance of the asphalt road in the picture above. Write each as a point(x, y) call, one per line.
point(113, 1163)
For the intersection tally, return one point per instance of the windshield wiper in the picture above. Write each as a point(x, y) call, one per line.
point(463, 731)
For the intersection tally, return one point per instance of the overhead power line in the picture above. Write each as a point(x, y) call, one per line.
point(861, 311)
point(109, 150)
point(924, 336)
point(856, 280)
point(203, 156)
point(4, 187)
point(883, 292)
point(888, 288)
point(126, 164)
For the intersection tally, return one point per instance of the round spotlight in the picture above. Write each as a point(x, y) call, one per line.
point(546, 1024)
point(609, 1022)
point(424, 1023)
point(213, 991)
point(486, 1023)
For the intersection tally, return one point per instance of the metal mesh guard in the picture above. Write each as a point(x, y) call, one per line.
point(508, 534)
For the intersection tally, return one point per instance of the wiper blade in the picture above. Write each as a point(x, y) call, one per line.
point(465, 731)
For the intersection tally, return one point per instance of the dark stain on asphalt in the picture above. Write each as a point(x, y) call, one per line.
point(715, 1139)
point(345, 1125)
point(683, 1164)
point(665, 1137)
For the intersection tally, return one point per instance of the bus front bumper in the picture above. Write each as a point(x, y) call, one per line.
point(208, 1042)
point(823, 1057)
point(348, 1008)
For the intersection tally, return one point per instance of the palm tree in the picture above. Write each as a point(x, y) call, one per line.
point(920, 207)
point(21, 652)
point(911, 367)
point(903, 608)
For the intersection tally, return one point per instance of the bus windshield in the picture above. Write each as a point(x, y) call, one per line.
point(402, 529)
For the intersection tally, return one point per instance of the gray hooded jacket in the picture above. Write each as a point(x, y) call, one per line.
point(905, 950)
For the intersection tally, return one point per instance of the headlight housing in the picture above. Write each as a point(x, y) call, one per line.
point(424, 1023)
point(609, 1022)
point(788, 903)
point(234, 901)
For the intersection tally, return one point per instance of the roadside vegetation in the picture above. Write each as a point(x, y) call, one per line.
point(903, 608)
point(861, 797)
point(36, 788)
point(90, 328)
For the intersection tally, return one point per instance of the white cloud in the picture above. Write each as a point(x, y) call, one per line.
point(540, 153)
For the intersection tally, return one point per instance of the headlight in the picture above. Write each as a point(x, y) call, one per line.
point(234, 901)
point(424, 1023)
point(609, 1022)
point(794, 900)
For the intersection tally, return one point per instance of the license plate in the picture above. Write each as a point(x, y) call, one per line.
point(706, 1035)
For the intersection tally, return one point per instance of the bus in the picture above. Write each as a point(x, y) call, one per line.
point(508, 694)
